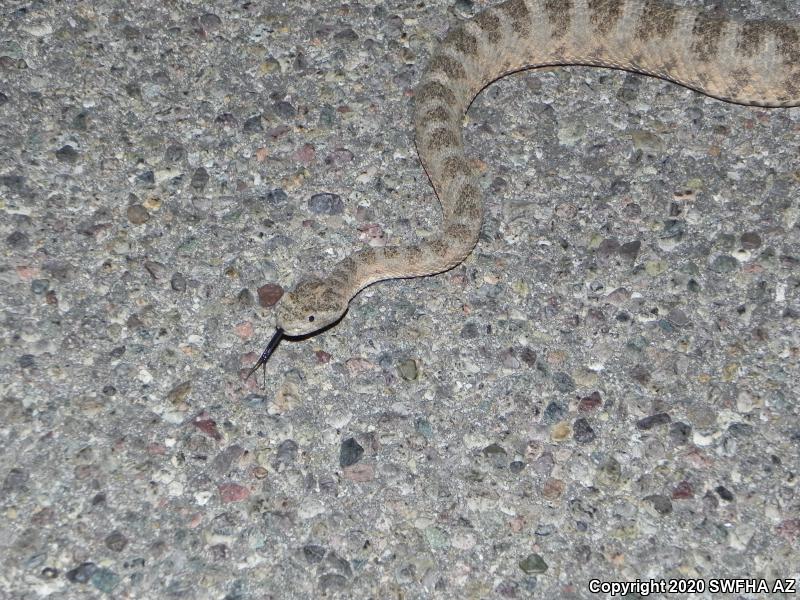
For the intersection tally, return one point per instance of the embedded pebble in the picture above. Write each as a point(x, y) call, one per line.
point(269, 294)
point(583, 432)
point(326, 204)
point(724, 263)
point(533, 564)
point(116, 541)
point(350, 452)
point(653, 421)
point(408, 369)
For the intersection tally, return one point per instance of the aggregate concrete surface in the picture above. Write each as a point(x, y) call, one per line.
point(605, 390)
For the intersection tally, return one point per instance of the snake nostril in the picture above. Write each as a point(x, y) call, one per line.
point(311, 318)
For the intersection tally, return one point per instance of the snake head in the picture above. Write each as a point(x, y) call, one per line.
point(312, 305)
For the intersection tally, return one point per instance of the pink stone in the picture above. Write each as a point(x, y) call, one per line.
point(233, 492)
point(359, 472)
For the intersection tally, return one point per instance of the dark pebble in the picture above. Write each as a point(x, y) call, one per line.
point(516, 466)
point(199, 179)
point(750, 240)
point(350, 452)
point(253, 125)
point(40, 286)
point(582, 431)
point(653, 421)
point(269, 294)
point(225, 119)
point(116, 541)
point(533, 564)
point(494, 450)
point(67, 154)
point(82, 573)
point(15, 480)
point(18, 240)
point(3, 98)
point(137, 214)
point(564, 382)
point(326, 204)
point(346, 35)
point(741, 430)
point(223, 461)
point(630, 249)
point(178, 282)
point(607, 247)
point(528, 356)
point(724, 263)
point(26, 361)
point(287, 452)
point(553, 412)
point(724, 493)
point(661, 503)
point(146, 178)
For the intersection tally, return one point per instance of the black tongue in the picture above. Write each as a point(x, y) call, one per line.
point(273, 343)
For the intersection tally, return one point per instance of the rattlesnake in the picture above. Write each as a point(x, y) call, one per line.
point(745, 62)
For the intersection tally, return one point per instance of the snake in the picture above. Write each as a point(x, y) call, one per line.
point(750, 62)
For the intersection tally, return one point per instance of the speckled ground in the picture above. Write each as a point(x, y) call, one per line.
point(607, 389)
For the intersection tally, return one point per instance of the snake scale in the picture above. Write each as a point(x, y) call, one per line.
point(745, 62)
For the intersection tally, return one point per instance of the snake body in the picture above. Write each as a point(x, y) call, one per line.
point(745, 62)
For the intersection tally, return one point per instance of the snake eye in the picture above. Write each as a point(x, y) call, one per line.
point(311, 318)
